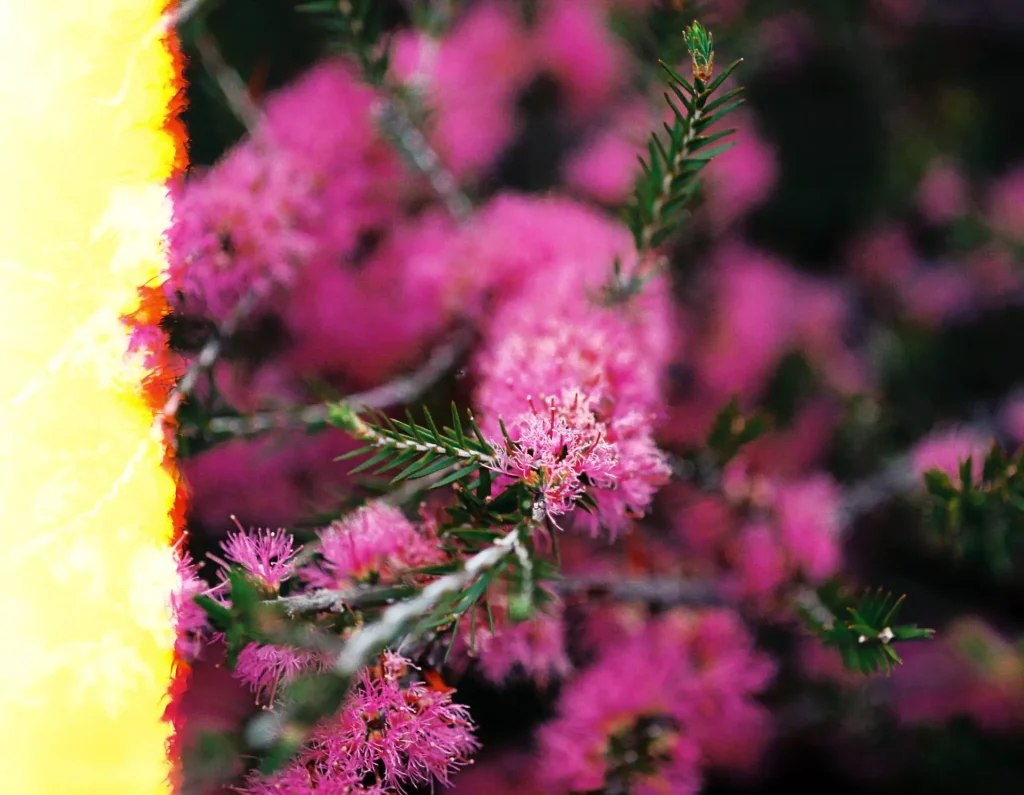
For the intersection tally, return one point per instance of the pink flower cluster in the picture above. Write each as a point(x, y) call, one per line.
point(771, 533)
point(534, 648)
point(472, 76)
point(669, 698)
point(373, 543)
point(553, 336)
point(392, 735)
point(308, 183)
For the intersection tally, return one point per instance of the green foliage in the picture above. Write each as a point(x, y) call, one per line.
point(670, 174)
point(420, 450)
point(861, 627)
point(731, 431)
point(356, 28)
point(980, 520)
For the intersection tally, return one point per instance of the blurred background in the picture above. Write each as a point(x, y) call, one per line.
point(853, 270)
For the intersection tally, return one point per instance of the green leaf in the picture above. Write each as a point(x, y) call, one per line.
point(456, 475)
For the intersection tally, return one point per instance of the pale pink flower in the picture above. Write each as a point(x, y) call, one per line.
point(559, 450)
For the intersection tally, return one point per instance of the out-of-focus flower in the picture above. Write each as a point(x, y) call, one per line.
point(263, 668)
point(375, 542)
point(575, 44)
point(244, 229)
point(1006, 204)
point(189, 618)
point(535, 649)
point(740, 179)
point(657, 705)
point(470, 80)
point(945, 449)
point(942, 194)
point(970, 670)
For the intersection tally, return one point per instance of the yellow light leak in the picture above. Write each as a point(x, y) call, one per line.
point(85, 567)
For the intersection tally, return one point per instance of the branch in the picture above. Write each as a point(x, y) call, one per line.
point(274, 727)
point(231, 85)
point(413, 145)
point(664, 591)
point(402, 390)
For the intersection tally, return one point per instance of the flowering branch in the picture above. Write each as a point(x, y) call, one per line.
point(282, 733)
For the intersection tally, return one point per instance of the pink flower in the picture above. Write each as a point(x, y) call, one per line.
point(535, 647)
point(509, 773)
point(376, 541)
point(392, 734)
point(470, 79)
point(942, 194)
point(311, 180)
point(267, 555)
point(244, 228)
point(946, 449)
point(576, 45)
point(640, 469)
point(264, 667)
point(559, 451)
point(1006, 204)
point(408, 289)
point(671, 690)
point(740, 179)
point(761, 567)
point(189, 618)
point(808, 517)
point(753, 322)
point(326, 120)
point(884, 257)
point(604, 168)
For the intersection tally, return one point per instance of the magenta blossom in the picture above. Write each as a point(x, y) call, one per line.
point(557, 450)
point(375, 541)
point(671, 690)
point(267, 555)
point(189, 618)
point(534, 648)
point(390, 736)
point(264, 668)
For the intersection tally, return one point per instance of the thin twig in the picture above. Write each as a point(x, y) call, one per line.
point(410, 142)
point(231, 85)
point(400, 391)
point(665, 591)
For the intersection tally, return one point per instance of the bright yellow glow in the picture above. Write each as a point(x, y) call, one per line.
point(85, 567)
